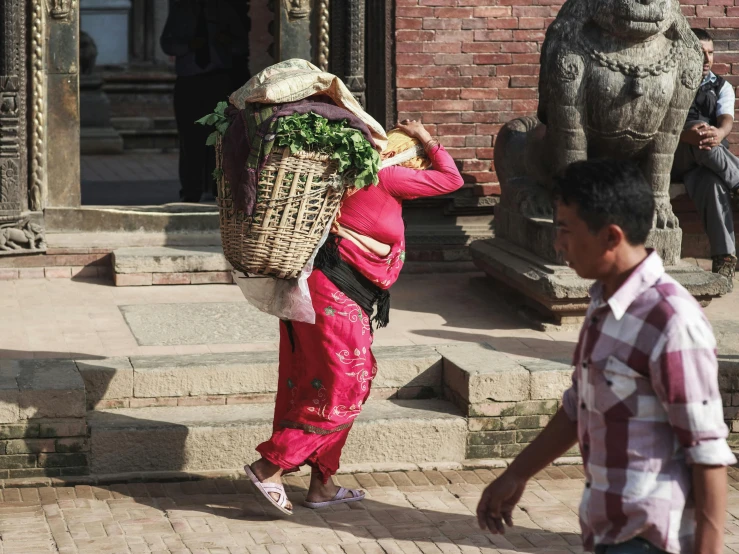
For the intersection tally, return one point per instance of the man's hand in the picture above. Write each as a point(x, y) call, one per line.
point(711, 137)
point(497, 503)
point(695, 134)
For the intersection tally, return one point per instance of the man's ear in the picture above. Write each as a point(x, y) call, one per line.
point(615, 236)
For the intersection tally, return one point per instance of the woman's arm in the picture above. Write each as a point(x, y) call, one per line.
point(406, 183)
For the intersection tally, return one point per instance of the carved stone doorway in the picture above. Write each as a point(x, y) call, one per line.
point(40, 117)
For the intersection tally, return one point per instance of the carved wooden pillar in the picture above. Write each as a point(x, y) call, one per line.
point(19, 233)
point(354, 45)
point(61, 51)
point(13, 201)
point(295, 38)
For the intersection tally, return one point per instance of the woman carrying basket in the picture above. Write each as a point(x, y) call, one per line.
point(326, 369)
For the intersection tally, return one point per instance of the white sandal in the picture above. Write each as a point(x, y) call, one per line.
point(340, 498)
point(267, 488)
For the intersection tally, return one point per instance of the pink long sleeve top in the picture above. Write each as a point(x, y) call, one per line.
point(376, 212)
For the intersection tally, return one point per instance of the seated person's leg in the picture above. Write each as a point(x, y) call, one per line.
point(722, 162)
point(713, 204)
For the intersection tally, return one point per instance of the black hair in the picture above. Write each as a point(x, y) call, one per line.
point(609, 192)
point(702, 34)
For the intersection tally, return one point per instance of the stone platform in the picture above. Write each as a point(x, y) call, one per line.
point(134, 416)
point(83, 385)
point(553, 294)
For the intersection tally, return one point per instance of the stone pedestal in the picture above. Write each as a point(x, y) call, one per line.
point(97, 135)
point(553, 294)
point(106, 21)
point(537, 236)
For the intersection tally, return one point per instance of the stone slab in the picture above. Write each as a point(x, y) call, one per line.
point(199, 323)
point(256, 372)
point(100, 141)
point(204, 374)
point(549, 379)
point(478, 373)
point(556, 292)
point(169, 259)
point(106, 379)
point(169, 219)
point(45, 388)
point(110, 240)
point(727, 336)
point(224, 437)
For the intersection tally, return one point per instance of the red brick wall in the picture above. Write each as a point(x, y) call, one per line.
point(465, 67)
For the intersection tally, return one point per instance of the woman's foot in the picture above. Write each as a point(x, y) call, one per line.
point(268, 472)
point(320, 492)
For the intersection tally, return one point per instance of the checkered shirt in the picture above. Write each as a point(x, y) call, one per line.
point(646, 401)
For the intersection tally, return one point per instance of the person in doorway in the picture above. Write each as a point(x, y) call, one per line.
point(704, 163)
point(644, 403)
point(206, 38)
point(326, 369)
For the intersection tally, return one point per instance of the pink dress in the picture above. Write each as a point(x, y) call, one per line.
point(326, 372)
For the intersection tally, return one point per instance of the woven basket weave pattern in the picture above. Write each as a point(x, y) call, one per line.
point(298, 196)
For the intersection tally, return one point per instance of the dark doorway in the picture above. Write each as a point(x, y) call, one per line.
point(376, 56)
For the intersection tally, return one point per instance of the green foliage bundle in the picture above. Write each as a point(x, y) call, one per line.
point(357, 159)
point(218, 120)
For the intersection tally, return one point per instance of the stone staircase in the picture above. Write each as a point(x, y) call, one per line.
point(204, 412)
point(150, 134)
point(224, 437)
point(194, 416)
point(151, 417)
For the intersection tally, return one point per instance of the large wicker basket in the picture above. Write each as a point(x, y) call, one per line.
point(298, 196)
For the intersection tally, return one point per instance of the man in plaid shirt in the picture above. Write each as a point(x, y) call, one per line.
point(644, 404)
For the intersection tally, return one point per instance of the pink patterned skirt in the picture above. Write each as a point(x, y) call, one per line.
point(325, 375)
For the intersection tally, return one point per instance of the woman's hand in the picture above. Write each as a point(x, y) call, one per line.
point(414, 128)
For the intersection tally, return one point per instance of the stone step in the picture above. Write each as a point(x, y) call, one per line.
point(408, 371)
point(169, 259)
point(224, 437)
point(172, 265)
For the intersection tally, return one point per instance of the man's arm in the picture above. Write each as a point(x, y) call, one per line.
point(711, 137)
point(502, 495)
point(709, 489)
point(724, 118)
point(684, 375)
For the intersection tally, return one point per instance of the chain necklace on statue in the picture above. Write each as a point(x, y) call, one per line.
point(637, 72)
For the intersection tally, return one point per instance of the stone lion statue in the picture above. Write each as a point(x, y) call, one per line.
point(617, 79)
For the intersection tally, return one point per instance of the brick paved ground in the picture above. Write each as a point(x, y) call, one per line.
point(405, 513)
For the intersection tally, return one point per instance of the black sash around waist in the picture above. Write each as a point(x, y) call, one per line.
point(352, 283)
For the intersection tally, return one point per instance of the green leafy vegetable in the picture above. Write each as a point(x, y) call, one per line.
point(358, 161)
point(218, 120)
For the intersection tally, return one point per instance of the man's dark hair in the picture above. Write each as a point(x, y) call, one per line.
point(609, 192)
point(702, 34)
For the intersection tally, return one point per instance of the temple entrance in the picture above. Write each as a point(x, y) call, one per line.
point(125, 177)
point(129, 137)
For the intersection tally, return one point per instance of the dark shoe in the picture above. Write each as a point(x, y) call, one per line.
point(725, 265)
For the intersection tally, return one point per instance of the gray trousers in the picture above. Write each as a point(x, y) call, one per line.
point(709, 176)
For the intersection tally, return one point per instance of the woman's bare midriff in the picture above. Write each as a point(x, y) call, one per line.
point(364, 242)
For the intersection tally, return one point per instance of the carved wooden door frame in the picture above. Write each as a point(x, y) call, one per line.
point(362, 53)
